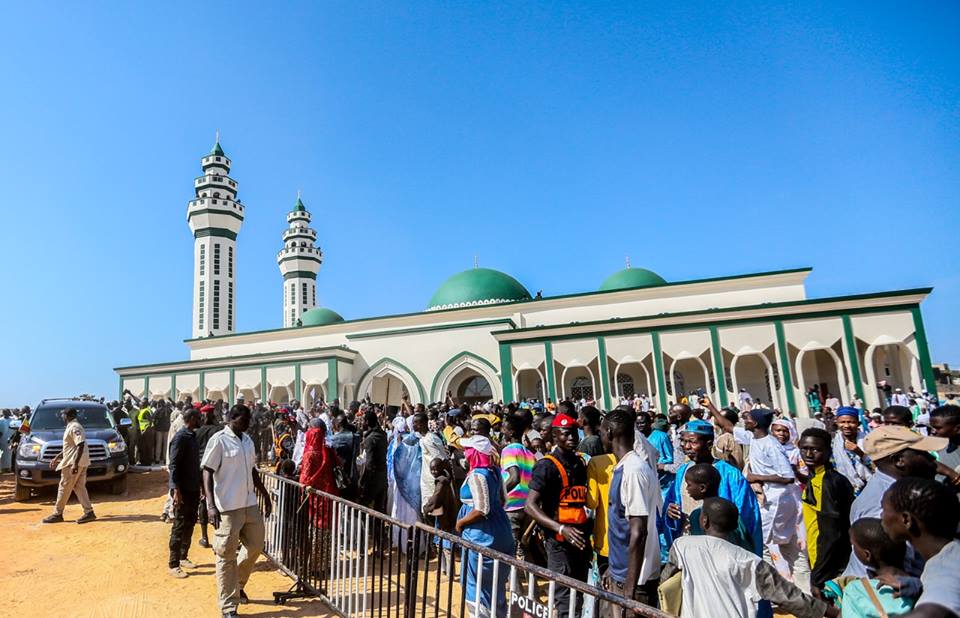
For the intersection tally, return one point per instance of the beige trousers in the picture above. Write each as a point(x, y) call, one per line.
point(235, 563)
point(73, 483)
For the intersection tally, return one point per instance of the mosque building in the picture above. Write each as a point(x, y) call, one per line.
point(482, 336)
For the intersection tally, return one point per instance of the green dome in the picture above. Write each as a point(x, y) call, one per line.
point(320, 316)
point(478, 286)
point(631, 278)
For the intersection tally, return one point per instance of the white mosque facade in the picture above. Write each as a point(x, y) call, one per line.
point(483, 336)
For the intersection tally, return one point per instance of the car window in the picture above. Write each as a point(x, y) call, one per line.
point(51, 418)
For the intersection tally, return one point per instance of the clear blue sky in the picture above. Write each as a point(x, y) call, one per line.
point(550, 139)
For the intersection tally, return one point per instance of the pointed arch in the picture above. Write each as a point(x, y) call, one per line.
point(389, 367)
point(465, 360)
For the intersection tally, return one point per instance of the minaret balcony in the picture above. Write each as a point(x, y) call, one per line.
point(298, 215)
point(215, 181)
point(299, 232)
point(213, 203)
point(310, 253)
point(216, 160)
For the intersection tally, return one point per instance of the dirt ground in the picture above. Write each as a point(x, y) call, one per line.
point(115, 567)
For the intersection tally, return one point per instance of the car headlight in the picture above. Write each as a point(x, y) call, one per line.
point(29, 450)
point(117, 446)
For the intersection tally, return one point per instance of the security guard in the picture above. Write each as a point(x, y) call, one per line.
point(557, 502)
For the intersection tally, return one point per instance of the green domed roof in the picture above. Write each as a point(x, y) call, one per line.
point(319, 316)
point(478, 286)
point(631, 278)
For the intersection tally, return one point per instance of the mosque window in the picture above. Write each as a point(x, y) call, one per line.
point(216, 258)
point(313, 291)
point(216, 304)
point(230, 262)
point(293, 293)
point(582, 388)
point(230, 305)
point(218, 159)
point(203, 260)
point(200, 325)
point(303, 293)
point(625, 385)
point(216, 194)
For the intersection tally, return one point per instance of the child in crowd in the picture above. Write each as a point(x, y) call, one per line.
point(869, 598)
point(443, 505)
point(703, 481)
point(722, 579)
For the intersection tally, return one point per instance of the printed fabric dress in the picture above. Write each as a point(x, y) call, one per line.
point(492, 531)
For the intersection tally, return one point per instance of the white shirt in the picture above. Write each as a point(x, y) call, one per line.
point(941, 586)
point(719, 578)
point(640, 496)
point(232, 460)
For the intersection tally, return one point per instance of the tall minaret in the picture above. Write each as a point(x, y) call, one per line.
point(215, 217)
point(299, 261)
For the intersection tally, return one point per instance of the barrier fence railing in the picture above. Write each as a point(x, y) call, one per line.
point(366, 564)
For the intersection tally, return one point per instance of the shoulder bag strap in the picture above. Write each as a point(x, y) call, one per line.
point(873, 597)
point(560, 468)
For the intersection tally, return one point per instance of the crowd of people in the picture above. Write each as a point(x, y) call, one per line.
point(699, 511)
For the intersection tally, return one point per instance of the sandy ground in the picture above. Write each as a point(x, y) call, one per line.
point(117, 565)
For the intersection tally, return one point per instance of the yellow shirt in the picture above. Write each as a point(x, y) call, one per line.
point(453, 440)
point(599, 477)
point(810, 520)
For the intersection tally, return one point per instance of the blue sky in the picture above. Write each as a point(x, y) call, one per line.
point(549, 139)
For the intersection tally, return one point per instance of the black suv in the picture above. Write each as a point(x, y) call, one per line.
point(42, 440)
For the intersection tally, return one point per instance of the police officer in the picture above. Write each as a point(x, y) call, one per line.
point(557, 502)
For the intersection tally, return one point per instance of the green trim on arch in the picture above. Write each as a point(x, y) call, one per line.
point(786, 378)
point(385, 360)
point(506, 371)
point(604, 371)
point(264, 395)
point(853, 356)
point(923, 350)
point(658, 369)
point(454, 358)
point(551, 378)
point(146, 387)
point(719, 374)
point(219, 232)
point(232, 395)
point(173, 386)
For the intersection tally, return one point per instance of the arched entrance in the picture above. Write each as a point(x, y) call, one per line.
point(474, 390)
point(280, 394)
point(823, 369)
point(754, 372)
point(387, 382)
point(688, 375)
point(632, 378)
point(458, 370)
point(579, 383)
point(530, 384)
point(312, 393)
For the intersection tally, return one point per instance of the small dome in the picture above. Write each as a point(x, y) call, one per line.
point(477, 286)
point(631, 278)
point(320, 316)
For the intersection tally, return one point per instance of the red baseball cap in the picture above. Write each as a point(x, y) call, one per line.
point(564, 420)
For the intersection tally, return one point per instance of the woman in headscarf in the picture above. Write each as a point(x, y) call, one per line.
point(848, 456)
point(483, 521)
point(316, 471)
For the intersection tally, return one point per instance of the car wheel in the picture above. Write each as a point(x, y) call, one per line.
point(119, 485)
point(21, 493)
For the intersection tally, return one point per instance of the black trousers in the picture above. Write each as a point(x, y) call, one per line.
point(185, 518)
point(567, 560)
